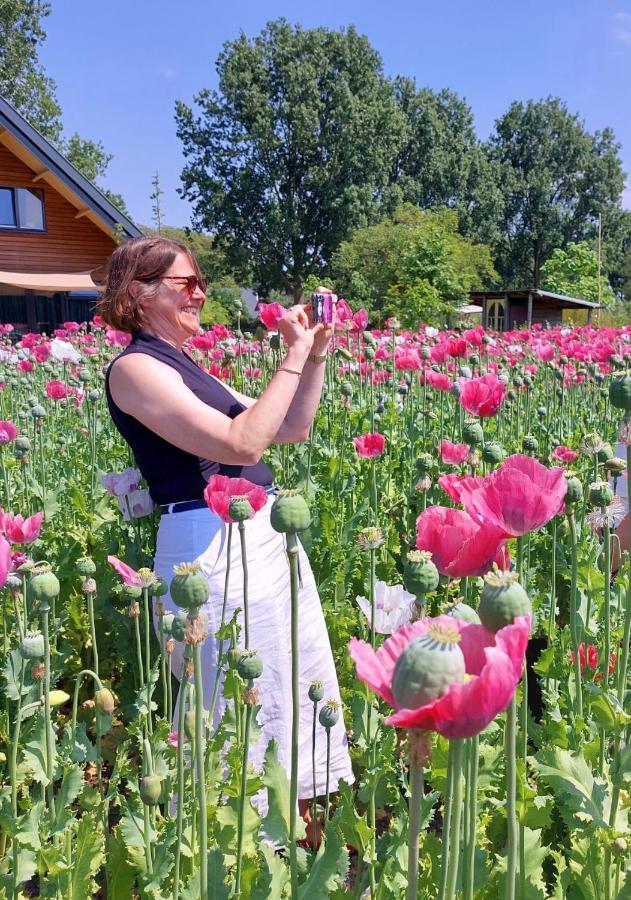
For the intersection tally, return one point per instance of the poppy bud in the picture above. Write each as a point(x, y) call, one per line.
point(104, 700)
point(150, 788)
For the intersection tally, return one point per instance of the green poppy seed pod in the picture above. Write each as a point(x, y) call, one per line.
point(517, 381)
point(600, 493)
point(530, 444)
point(428, 666)
point(424, 463)
point(492, 453)
point(150, 788)
point(84, 375)
point(503, 599)
point(189, 587)
point(420, 575)
point(229, 354)
point(426, 353)
point(94, 395)
point(38, 412)
point(474, 359)
point(250, 665)
point(104, 701)
point(344, 353)
point(574, 492)
point(329, 714)
point(43, 583)
point(316, 691)
point(178, 627)
point(240, 508)
point(510, 394)
point(22, 443)
point(346, 389)
point(604, 453)
point(620, 392)
point(32, 400)
point(615, 466)
point(472, 434)
point(85, 566)
point(290, 513)
point(463, 612)
point(159, 588)
point(32, 646)
point(528, 380)
point(369, 353)
point(131, 592)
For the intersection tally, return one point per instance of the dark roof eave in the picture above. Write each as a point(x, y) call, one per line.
point(59, 166)
point(570, 301)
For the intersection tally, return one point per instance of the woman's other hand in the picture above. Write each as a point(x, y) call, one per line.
point(297, 328)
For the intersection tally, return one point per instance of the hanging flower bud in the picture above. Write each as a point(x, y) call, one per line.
point(150, 788)
point(58, 698)
point(104, 700)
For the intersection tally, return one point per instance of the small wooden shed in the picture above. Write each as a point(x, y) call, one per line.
point(506, 310)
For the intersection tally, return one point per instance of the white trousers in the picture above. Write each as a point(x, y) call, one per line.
point(199, 535)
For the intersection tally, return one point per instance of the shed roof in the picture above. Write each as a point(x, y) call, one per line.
point(561, 299)
point(49, 164)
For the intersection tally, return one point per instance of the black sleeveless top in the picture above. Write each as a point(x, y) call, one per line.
point(173, 475)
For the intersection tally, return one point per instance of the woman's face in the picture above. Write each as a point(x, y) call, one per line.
point(173, 313)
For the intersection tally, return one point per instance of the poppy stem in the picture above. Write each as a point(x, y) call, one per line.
point(416, 799)
point(578, 700)
point(447, 813)
point(455, 751)
point(292, 553)
point(472, 815)
point(511, 798)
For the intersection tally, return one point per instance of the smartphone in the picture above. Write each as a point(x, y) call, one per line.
point(322, 308)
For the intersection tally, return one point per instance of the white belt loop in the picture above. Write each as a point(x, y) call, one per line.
point(170, 508)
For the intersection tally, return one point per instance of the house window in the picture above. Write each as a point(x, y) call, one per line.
point(496, 315)
point(21, 209)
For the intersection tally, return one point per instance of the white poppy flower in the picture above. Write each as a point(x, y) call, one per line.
point(393, 607)
point(63, 351)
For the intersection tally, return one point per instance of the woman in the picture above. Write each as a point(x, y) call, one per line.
point(183, 426)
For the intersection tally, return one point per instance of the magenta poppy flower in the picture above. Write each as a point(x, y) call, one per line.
point(453, 454)
point(563, 454)
point(493, 662)
point(453, 484)
point(220, 490)
point(520, 496)
point(482, 396)
point(6, 561)
point(8, 431)
point(130, 576)
point(438, 380)
point(19, 530)
point(56, 390)
point(459, 546)
point(360, 320)
point(343, 312)
point(270, 314)
point(370, 445)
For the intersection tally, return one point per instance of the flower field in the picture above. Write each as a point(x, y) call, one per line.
point(458, 499)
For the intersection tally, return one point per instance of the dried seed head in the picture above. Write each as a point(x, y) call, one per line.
point(38, 671)
point(370, 538)
point(88, 586)
point(251, 696)
point(196, 630)
point(169, 645)
point(134, 610)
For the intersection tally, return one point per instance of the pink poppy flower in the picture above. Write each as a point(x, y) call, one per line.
point(360, 320)
point(8, 432)
point(482, 396)
point(270, 314)
point(19, 530)
point(173, 738)
point(41, 353)
point(494, 663)
point(5, 560)
point(221, 489)
point(591, 659)
point(563, 454)
point(370, 445)
point(25, 365)
point(438, 380)
point(453, 484)
point(520, 496)
point(56, 390)
point(459, 546)
point(129, 575)
point(453, 454)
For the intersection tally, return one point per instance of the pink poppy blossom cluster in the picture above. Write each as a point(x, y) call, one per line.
point(370, 445)
point(588, 658)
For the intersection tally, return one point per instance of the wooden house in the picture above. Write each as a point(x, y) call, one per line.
point(56, 228)
point(507, 310)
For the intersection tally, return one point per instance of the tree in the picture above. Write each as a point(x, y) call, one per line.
point(573, 271)
point(292, 153)
point(415, 266)
point(555, 178)
point(23, 81)
point(156, 207)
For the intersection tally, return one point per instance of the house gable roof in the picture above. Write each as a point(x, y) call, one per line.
point(21, 138)
point(561, 299)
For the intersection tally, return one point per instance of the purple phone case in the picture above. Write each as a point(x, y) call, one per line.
point(322, 306)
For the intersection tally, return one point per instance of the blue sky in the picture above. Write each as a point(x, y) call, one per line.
point(120, 66)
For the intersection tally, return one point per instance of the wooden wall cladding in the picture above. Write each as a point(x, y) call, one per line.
point(68, 244)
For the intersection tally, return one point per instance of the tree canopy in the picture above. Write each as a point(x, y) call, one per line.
point(414, 265)
point(573, 271)
point(294, 150)
point(555, 178)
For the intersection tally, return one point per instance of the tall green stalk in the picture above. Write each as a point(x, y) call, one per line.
point(200, 771)
point(455, 750)
point(472, 817)
point(292, 552)
point(510, 750)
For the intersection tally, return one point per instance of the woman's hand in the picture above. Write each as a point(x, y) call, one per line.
point(297, 328)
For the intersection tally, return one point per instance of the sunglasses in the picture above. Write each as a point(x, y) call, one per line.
point(190, 282)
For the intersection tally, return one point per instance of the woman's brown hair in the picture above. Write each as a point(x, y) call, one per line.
point(144, 260)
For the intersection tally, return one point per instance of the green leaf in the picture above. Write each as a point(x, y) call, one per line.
point(11, 673)
point(28, 827)
point(87, 857)
point(272, 880)
point(329, 867)
point(354, 828)
point(605, 708)
point(226, 831)
point(132, 827)
point(34, 757)
point(217, 888)
point(275, 825)
point(71, 787)
point(120, 875)
point(580, 796)
point(535, 855)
